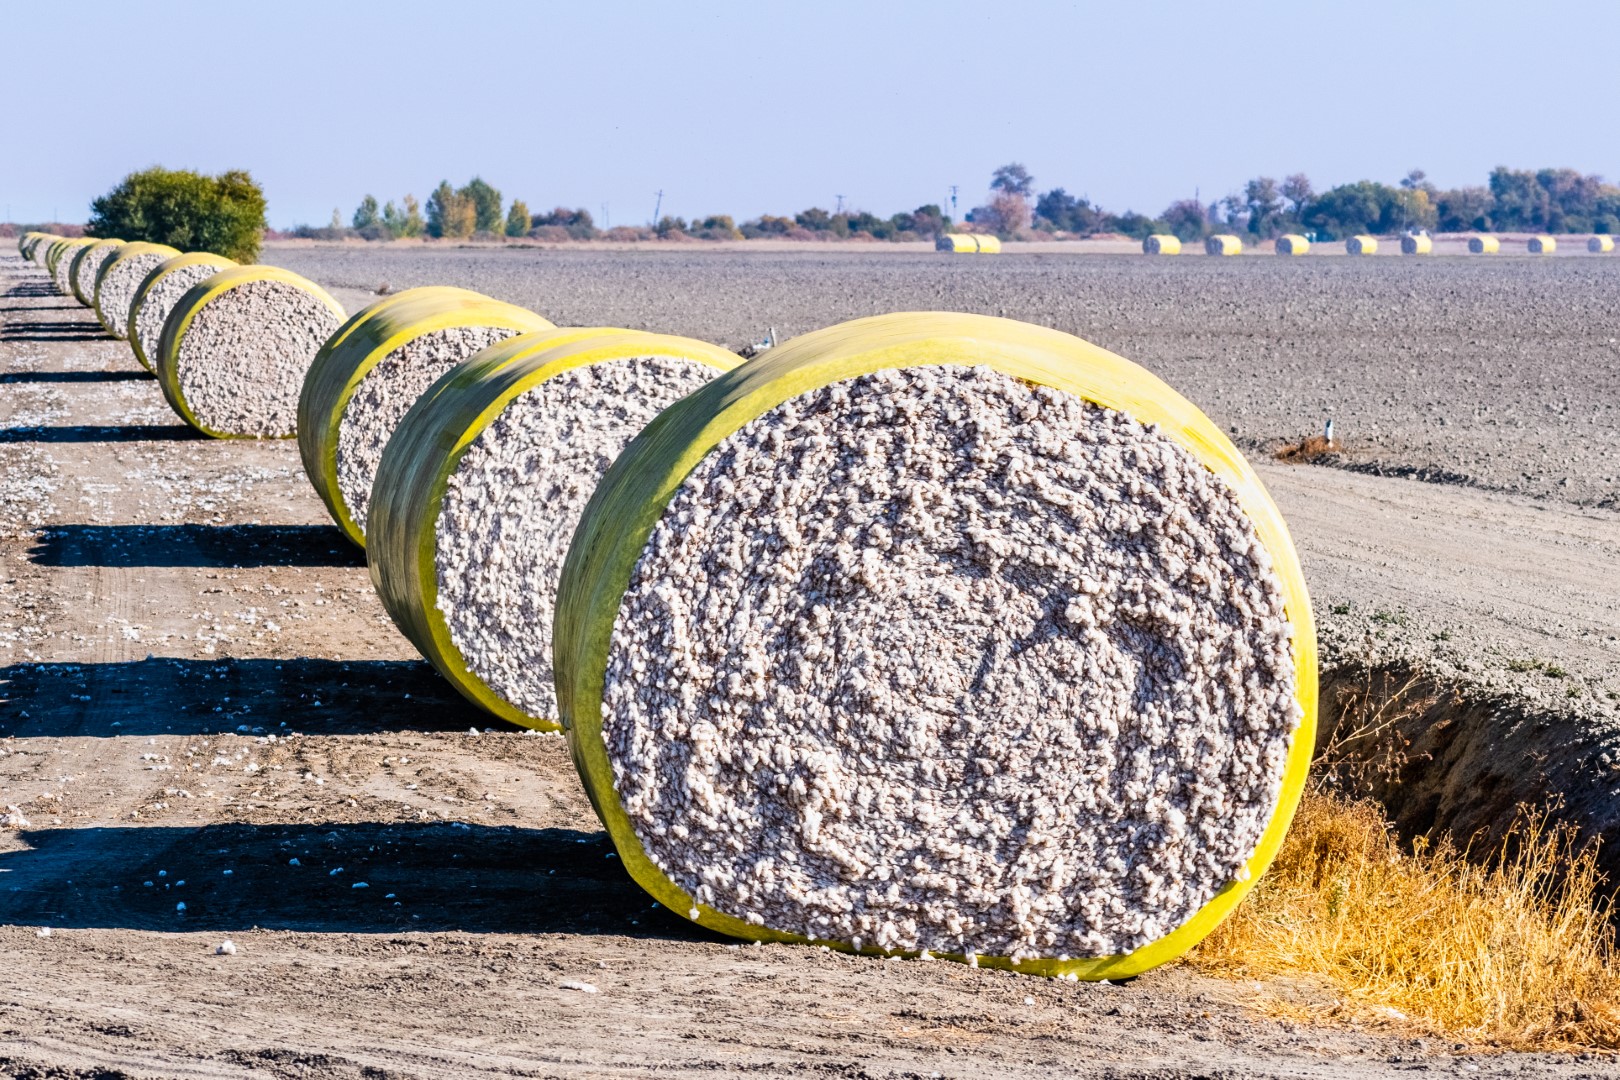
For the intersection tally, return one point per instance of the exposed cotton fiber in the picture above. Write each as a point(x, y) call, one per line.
point(934, 658)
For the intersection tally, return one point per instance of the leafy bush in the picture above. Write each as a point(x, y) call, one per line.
point(223, 214)
point(670, 228)
point(579, 223)
point(717, 227)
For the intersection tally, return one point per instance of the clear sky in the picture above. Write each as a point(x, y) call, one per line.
point(751, 107)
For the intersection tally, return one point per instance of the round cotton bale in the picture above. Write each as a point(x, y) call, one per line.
point(1361, 245)
point(40, 246)
point(940, 632)
point(60, 262)
point(1600, 245)
point(1542, 245)
point(87, 263)
point(481, 487)
point(118, 279)
point(234, 350)
point(1292, 244)
point(1484, 245)
point(27, 241)
point(160, 291)
point(1223, 244)
point(1161, 244)
point(1417, 245)
point(371, 372)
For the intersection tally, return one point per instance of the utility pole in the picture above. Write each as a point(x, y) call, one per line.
point(657, 206)
point(840, 208)
point(607, 218)
point(953, 200)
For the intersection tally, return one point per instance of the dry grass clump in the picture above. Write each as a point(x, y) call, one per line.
point(1516, 950)
point(1314, 448)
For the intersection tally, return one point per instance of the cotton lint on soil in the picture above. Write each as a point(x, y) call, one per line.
point(240, 364)
point(116, 290)
point(386, 394)
point(160, 300)
point(513, 501)
point(934, 658)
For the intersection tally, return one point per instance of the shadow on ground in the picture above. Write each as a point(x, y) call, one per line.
point(229, 546)
point(100, 433)
point(75, 376)
point(160, 696)
point(418, 876)
point(45, 330)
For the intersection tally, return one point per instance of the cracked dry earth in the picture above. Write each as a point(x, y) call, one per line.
point(202, 704)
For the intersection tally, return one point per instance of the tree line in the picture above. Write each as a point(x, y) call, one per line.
point(1511, 200)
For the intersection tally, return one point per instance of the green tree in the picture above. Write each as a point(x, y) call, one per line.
point(1363, 207)
point(1067, 213)
point(517, 219)
point(223, 214)
point(1186, 218)
point(365, 215)
point(1263, 204)
point(450, 213)
point(404, 221)
point(1014, 179)
point(1464, 210)
point(486, 203)
point(1298, 192)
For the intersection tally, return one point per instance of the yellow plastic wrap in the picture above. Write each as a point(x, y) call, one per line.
point(632, 497)
point(1161, 244)
point(198, 297)
point(968, 243)
point(427, 447)
point(39, 246)
point(28, 241)
point(360, 345)
point(1292, 244)
point(1417, 245)
point(1600, 245)
point(128, 251)
point(1361, 245)
point(192, 258)
point(1542, 245)
point(1223, 244)
point(59, 261)
point(1484, 245)
point(84, 287)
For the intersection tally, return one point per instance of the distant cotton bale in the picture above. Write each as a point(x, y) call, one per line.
point(1361, 245)
point(1161, 244)
point(60, 262)
point(87, 264)
point(481, 488)
point(367, 377)
point(1223, 244)
point(989, 245)
point(1542, 245)
point(1600, 245)
point(28, 241)
point(157, 294)
point(118, 279)
point(1417, 245)
point(1484, 245)
point(233, 352)
point(1292, 244)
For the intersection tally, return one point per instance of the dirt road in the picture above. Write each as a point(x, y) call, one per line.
point(214, 733)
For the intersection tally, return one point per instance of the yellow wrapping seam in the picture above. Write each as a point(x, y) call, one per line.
point(427, 447)
point(192, 258)
point(139, 247)
point(197, 298)
point(360, 345)
point(84, 291)
point(637, 488)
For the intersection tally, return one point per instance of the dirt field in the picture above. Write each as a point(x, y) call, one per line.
point(214, 732)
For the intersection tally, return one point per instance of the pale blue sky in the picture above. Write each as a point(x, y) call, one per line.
point(759, 107)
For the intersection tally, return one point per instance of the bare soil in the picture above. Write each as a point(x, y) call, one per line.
point(215, 733)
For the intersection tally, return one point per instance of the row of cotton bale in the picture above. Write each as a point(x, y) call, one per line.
point(927, 634)
point(1411, 244)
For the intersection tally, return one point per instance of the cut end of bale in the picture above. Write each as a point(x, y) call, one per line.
point(934, 658)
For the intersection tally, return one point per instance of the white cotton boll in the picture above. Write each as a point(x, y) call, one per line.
point(226, 948)
point(901, 665)
point(576, 984)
